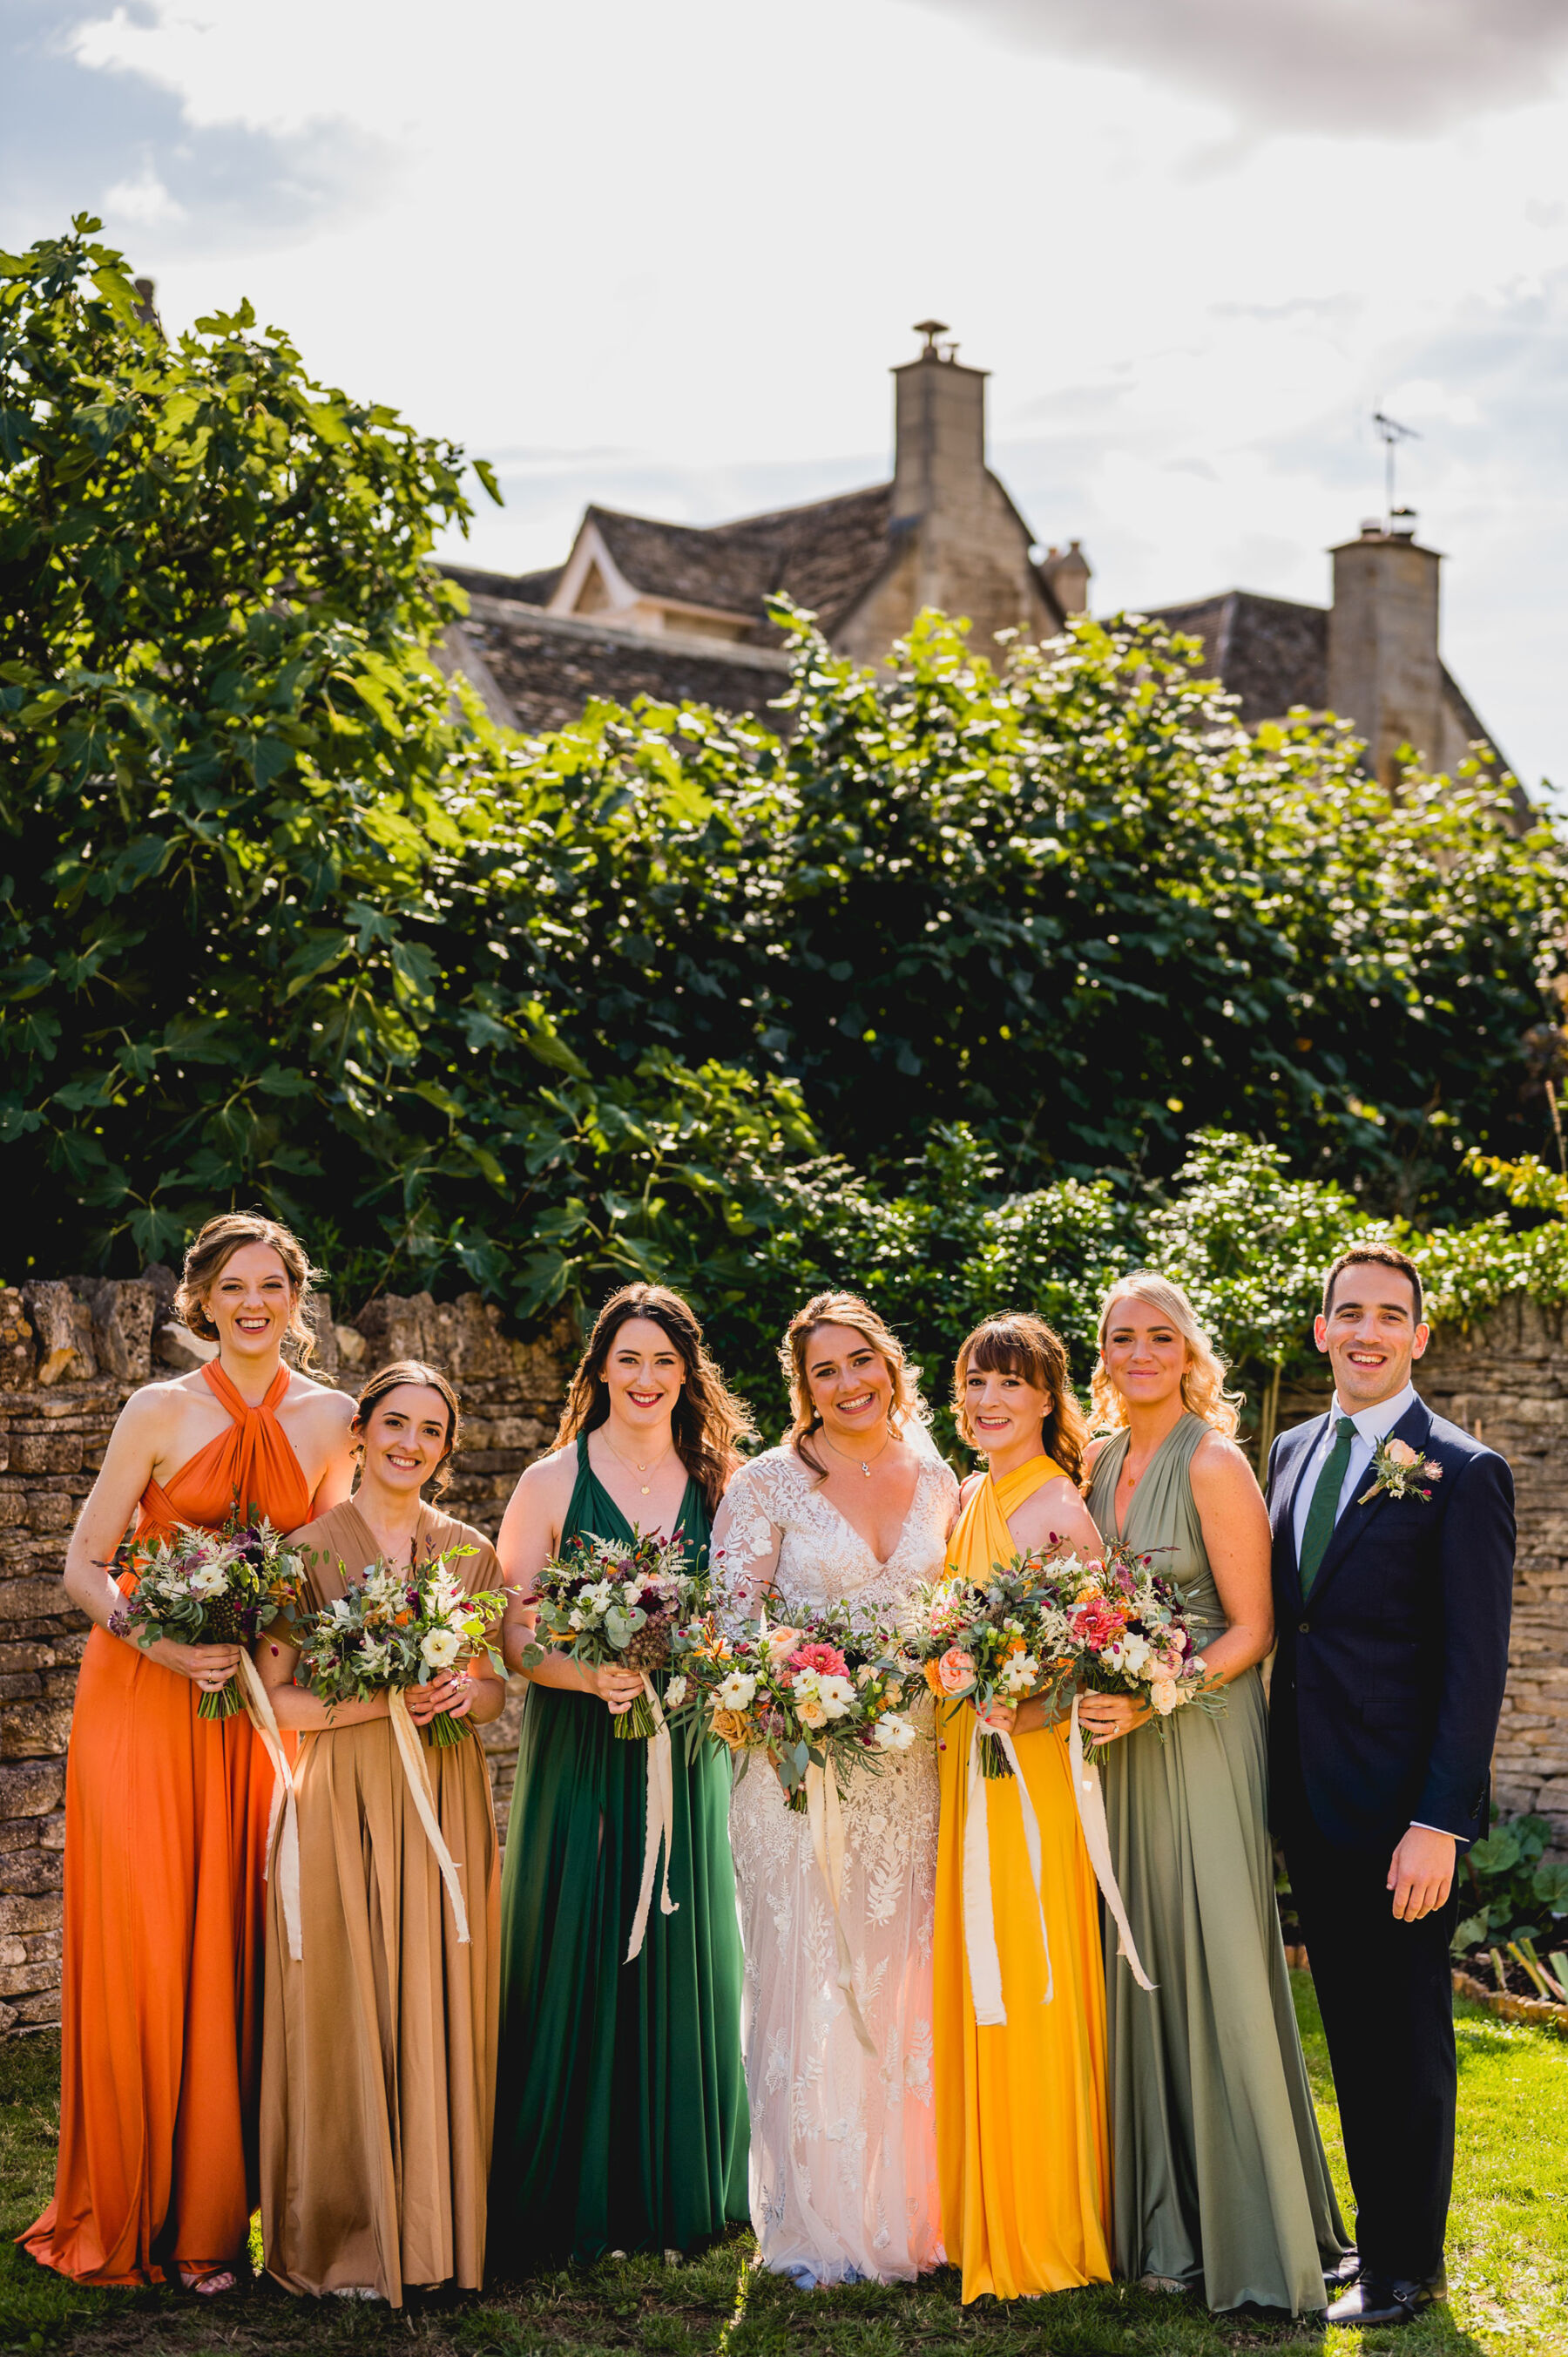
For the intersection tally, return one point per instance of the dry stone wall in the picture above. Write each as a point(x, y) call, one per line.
point(72, 1351)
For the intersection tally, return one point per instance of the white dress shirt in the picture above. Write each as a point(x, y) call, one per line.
point(1373, 1424)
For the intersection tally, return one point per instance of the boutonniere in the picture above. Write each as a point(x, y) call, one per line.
point(1401, 1472)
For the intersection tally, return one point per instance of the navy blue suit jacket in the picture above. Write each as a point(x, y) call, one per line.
point(1388, 1679)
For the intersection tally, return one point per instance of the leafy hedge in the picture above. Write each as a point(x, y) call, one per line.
point(929, 985)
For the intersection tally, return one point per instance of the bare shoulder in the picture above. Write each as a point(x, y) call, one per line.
point(1095, 1450)
point(324, 1404)
point(153, 1410)
point(968, 1486)
point(549, 1478)
point(1221, 1469)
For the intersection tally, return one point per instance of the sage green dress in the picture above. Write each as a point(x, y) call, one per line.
point(620, 2099)
point(1221, 2179)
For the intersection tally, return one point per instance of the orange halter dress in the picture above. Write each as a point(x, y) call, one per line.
point(165, 1921)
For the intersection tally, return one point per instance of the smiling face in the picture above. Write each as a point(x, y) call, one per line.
point(1145, 1353)
point(851, 1386)
point(644, 1372)
point(1006, 1414)
point(1370, 1333)
point(250, 1301)
point(405, 1437)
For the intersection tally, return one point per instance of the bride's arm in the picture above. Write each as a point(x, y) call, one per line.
point(744, 1550)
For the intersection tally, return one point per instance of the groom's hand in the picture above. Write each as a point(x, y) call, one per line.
point(1421, 1873)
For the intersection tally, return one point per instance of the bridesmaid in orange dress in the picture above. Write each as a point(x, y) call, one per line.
point(166, 1812)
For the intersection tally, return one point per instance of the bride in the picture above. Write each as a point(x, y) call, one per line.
point(855, 1506)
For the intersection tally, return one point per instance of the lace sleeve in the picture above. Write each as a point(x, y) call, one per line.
point(747, 1535)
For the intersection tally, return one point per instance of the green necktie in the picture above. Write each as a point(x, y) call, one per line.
point(1325, 1503)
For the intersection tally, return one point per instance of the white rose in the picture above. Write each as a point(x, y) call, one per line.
point(737, 1692)
point(1134, 1654)
point(674, 1693)
point(1164, 1697)
point(894, 1733)
point(208, 1580)
point(439, 1648)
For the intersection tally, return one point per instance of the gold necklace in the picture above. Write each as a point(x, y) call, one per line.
point(864, 1463)
point(668, 1450)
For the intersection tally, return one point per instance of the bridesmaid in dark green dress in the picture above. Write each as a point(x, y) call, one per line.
point(1221, 2187)
point(620, 2099)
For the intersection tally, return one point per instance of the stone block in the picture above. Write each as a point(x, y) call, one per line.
point(122, 1310)
point(13, 1951)
point(49, 1512)
point(21, 1915)
point(63, 1324)
point(35, 1730)
point(40, 2012)
point(17, 1341)
point(29, 1871)
point(8, 2019)
point(32, 1788)
point(51, 1831)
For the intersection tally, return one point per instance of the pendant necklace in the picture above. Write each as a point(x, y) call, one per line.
point(865, 1464)
point(658, 1461)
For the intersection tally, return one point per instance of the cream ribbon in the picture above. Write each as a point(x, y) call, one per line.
point(660, 1824)
point(263, 1718)
point(979, 1916)
point(826, 1822)
point(413, 1768)
point(1096, 1841)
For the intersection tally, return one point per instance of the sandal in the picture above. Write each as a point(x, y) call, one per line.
point(211, 2283)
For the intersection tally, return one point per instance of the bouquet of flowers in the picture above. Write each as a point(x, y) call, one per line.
point(1119, 1627)
point(211, 1587)
point(606, 1601)
point(812, 1689)
point(996, 1642)
point(394, 1628)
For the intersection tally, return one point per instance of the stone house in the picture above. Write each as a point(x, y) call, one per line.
point(679, 611)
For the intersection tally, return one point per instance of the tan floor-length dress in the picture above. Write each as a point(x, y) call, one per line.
point(379, 2059)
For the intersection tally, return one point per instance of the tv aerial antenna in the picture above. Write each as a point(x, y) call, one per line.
point(1391, 433)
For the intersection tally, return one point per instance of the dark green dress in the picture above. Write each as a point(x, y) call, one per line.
point(1221, 2179)
point(620, 2099)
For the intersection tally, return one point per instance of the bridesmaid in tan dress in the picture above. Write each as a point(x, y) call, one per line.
point(379, 2057)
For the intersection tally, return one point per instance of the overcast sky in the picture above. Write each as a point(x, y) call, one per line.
point(664, 257)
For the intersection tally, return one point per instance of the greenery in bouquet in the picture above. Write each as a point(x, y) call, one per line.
point(824, 1689)
point(989, 1643)
point(400, 1628)
point(1118, 1627)
point(617, 1602)
point(211, 1587)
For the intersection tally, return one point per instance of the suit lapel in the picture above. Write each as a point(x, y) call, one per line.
point(1415, 1426)
point(1294, 1474)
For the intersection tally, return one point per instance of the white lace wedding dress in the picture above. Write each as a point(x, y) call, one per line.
point(844, 2153)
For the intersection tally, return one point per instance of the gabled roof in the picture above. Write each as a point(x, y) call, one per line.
point(1269, 651)
point(822, 554)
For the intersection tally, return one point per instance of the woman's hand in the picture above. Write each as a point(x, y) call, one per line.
point(453, 1693)
point(210, 1667)
point(1105, 1716)
point(1002, 1718)
point(617, 1688)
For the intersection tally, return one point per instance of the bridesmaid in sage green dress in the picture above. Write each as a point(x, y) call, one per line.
point(1221, 2187)
point(620, 2098)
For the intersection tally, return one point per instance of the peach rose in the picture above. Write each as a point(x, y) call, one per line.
point(1400, 1452)
point(811, 1714)
point(729, 1726)
point(781, 1643)
point(1162, 1696)
point(955, 1670)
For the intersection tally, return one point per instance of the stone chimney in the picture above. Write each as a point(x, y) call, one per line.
point(1385, 674)
point(956, 541)
point(1067, 575)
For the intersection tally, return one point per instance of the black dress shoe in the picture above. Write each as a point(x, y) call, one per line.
point(1339, 2278)
point(1376, 2300)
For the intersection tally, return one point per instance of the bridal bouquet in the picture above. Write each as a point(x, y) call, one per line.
point(1119, 1627)
point(813, 1689)
point(397, 1629)
point(611, 1601)
point(211, 1587)
point(996, 1642)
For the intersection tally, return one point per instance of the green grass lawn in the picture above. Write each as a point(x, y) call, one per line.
point(1508, 2263)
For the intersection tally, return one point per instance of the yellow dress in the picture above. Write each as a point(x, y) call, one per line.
point(1022, 2144)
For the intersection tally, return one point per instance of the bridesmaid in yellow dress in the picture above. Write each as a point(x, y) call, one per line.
point(1023, 2145)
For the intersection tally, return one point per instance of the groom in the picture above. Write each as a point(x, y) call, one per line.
point(1393, 1580)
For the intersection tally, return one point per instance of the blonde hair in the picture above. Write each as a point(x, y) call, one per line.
point(1018, 1343)
point(215, 1247)
point(708, 1419)
point(1203, 1391)
point(842, 1310)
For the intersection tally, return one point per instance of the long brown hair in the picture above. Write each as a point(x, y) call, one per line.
point(416, 1371)
point(842, 1310)
point(216, 1245)
point(1019, 1343)
point(708, 1419)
